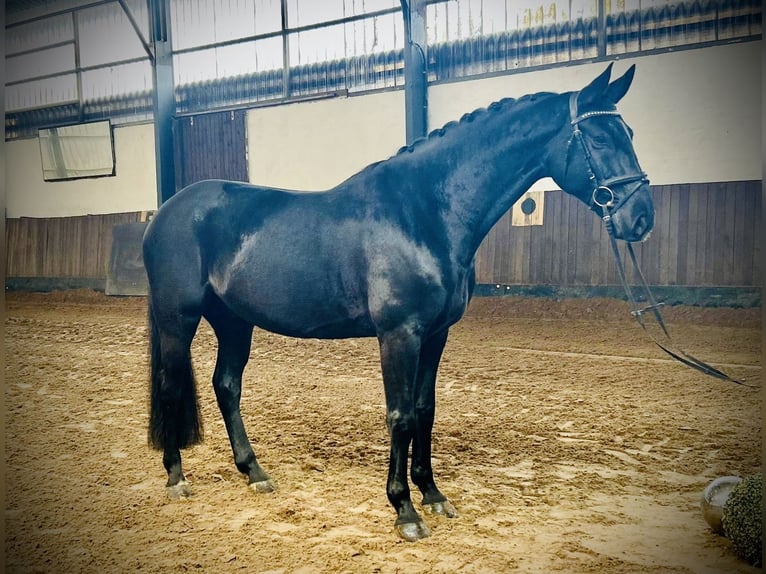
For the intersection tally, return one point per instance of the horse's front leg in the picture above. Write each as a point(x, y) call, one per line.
point(434, 502)
point(399, 353)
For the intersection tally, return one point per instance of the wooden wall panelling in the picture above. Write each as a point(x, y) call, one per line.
point(704, 235)
point(61, 246)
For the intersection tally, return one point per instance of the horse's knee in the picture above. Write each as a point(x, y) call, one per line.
point(400, 424)
point(425, 413)
point(397, 490)
point(420, 471)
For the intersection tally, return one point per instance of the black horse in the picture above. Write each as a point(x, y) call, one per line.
point(388, 253)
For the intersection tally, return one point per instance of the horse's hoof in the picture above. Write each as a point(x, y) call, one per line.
point(181, 489)
point(263, 486)
point(412, 531)
point(443, 508)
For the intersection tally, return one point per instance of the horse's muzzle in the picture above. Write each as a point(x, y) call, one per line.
point(633, 220)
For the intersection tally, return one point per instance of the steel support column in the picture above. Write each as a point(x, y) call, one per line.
point(415, 73)
point(163, 99)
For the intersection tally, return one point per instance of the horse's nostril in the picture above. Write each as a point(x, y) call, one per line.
point(641, 226)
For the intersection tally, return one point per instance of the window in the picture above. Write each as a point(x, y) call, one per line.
point(73, 152)
point(87, 63)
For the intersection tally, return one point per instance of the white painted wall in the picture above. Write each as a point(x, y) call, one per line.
point(695, 113)
point(133, 188)
point(696, 116)
point(315, 145)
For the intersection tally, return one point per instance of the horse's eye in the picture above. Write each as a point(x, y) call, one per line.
point(600, 141)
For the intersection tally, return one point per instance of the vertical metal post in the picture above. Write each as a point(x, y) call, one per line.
point(285, 53)
point(163, 99)
point(78, 73)
point(601, 41)
point(415, 73)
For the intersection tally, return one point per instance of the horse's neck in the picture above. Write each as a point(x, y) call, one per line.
point(484, 168)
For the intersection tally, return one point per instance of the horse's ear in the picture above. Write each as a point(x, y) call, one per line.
point(619, 87)
point(596, 88)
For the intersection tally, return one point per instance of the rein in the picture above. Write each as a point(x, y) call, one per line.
point(604, 198)
point(675, 352)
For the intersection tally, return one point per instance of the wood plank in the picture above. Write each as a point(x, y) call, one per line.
point(744, 234)
point(705, 262)
point(531, 239)
point(522, 274)
point(707, 197)
point(505, 250)
point(34, 251)
point(541, 260)
point(683, 231)
point(11, 245)
point(759, 236)
point(484, 271)
point(730, 208)
point(479, 262)
point(584, 251)
point(491, 240)
point(664, 243)
point(674, 229)
point(696, 223)
point(551, 225)
point(720, 241)
point(571, 241)
point(488, 275)
point(715, 254)
point(566, 251)
point(48, 248)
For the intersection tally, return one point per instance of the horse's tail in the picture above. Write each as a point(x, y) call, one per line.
point(174, 420)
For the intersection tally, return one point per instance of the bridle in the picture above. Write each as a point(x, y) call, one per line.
point(604, 198)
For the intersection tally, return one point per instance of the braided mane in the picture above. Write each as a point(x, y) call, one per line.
point(470, 117)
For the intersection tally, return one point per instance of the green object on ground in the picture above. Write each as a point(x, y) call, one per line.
point(742, 519)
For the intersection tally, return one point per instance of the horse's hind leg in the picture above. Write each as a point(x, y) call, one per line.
point(434, 502)
point(234, 339)
point(174, 420)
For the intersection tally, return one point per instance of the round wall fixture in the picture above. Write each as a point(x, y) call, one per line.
point(528, 206)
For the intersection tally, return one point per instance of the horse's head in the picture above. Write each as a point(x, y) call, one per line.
point(593, 158)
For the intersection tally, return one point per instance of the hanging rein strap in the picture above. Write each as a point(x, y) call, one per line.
point(654, 307)
point(604, 198)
